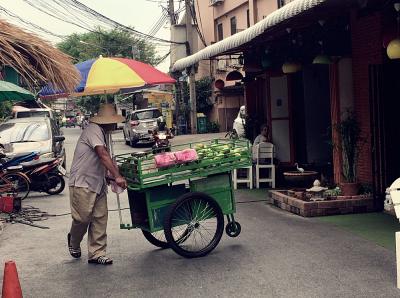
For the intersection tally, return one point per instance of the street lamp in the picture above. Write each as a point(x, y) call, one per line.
point(95, 45)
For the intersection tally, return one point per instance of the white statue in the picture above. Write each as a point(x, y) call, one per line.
point(239, 122)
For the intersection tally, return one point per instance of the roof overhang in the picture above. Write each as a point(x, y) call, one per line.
point(288, 11)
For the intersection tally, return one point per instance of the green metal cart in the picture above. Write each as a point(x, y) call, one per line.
point(183, 206)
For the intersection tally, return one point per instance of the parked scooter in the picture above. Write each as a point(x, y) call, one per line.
point(46, 175)
point(13, 160)
point(161, 140)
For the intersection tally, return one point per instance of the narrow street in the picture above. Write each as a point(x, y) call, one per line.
point(278, 254)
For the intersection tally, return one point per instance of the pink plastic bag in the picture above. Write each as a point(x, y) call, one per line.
point(186, 155)
point(165, 159)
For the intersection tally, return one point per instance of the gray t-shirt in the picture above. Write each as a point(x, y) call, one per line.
point(87, 169)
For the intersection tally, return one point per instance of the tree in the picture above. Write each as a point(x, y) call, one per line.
point(5, 109)
point(109, 43)
point(91, 104)
point(203, 94)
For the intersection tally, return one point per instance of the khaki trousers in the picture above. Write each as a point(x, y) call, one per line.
point(89, 214)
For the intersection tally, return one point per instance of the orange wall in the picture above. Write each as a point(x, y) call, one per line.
point(264, 8)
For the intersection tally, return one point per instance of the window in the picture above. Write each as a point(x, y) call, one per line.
point(233, 25)
point(27, 114)
point(220, 32)
point(248, 18)
point(151, 114)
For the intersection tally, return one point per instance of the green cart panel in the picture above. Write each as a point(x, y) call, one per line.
point(219, 187)
point(148, 207)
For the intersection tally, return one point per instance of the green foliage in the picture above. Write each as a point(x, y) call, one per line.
point(5, 109)
point(203, 94)
point(91, 104)
point(334, 192)
point(350, 146)
point(111, 43)
point(366, 188)
point(212, 126)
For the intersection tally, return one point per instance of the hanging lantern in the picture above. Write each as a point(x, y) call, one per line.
point(393, 49)
point(234, 76)
point(291, 67)
point(322, 59)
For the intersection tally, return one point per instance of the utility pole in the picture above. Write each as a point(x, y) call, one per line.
point(172, 20)
point(171, 12)
point(192, 86)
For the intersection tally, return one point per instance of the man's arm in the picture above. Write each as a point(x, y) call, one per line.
point(106, 160)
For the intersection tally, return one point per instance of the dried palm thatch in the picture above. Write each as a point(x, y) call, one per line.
point(37, 61)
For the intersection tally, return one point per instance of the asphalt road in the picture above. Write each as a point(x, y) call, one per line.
point(277, 255)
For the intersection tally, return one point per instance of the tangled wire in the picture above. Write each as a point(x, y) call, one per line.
point(28, 215)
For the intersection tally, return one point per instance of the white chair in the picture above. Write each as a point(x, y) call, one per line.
point(248, 179)
point(264, 158)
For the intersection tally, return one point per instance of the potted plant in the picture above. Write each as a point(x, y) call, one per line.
point(350, 146)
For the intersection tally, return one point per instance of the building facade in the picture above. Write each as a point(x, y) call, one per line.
point(306, 65)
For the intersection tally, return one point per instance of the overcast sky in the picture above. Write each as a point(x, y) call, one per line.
point(141, 14)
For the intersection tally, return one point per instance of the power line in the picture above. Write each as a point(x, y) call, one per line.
point(143, 35)
point(21, 20)
point(194, 18)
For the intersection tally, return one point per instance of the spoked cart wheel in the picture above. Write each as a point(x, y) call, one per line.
point(156, 238)
point(194, 225)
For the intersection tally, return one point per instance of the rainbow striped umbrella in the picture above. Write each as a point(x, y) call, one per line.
point(112, 75)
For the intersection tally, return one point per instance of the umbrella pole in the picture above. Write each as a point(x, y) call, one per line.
point(109, 139)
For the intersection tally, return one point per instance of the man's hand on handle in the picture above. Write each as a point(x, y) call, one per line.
point(121, 182)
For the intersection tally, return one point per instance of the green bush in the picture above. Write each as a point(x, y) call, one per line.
point(5, 109)
point(212, 126)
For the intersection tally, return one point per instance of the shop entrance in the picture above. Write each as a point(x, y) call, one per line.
point(385, 112)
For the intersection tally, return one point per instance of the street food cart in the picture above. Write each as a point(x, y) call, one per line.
point(182, 205)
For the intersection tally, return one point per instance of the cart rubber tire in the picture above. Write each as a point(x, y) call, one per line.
point(177, 245)
point(233, 229)
point(154, 240)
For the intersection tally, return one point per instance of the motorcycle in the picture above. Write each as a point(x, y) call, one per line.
point(161, 140)
point(46, 175)
point(13, 160)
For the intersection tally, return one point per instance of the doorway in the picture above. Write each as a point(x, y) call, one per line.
point(386, 129)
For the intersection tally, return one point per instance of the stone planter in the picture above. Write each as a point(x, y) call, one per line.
point(336, 205)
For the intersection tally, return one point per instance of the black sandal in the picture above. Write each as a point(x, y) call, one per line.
point(74, 252)
point(103, 260)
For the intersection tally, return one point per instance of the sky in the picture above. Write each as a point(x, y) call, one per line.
point(141, 14)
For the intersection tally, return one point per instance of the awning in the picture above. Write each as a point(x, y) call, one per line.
point(286, 12)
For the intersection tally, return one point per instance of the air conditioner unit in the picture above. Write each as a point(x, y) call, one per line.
point(216, 2)
point(221, 65)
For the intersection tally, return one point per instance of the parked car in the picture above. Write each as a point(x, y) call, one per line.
point(34, 134)
point(139, 122)
point(35, 113)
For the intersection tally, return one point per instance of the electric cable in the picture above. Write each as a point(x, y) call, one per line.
point(21, 20)
point(103, 17)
